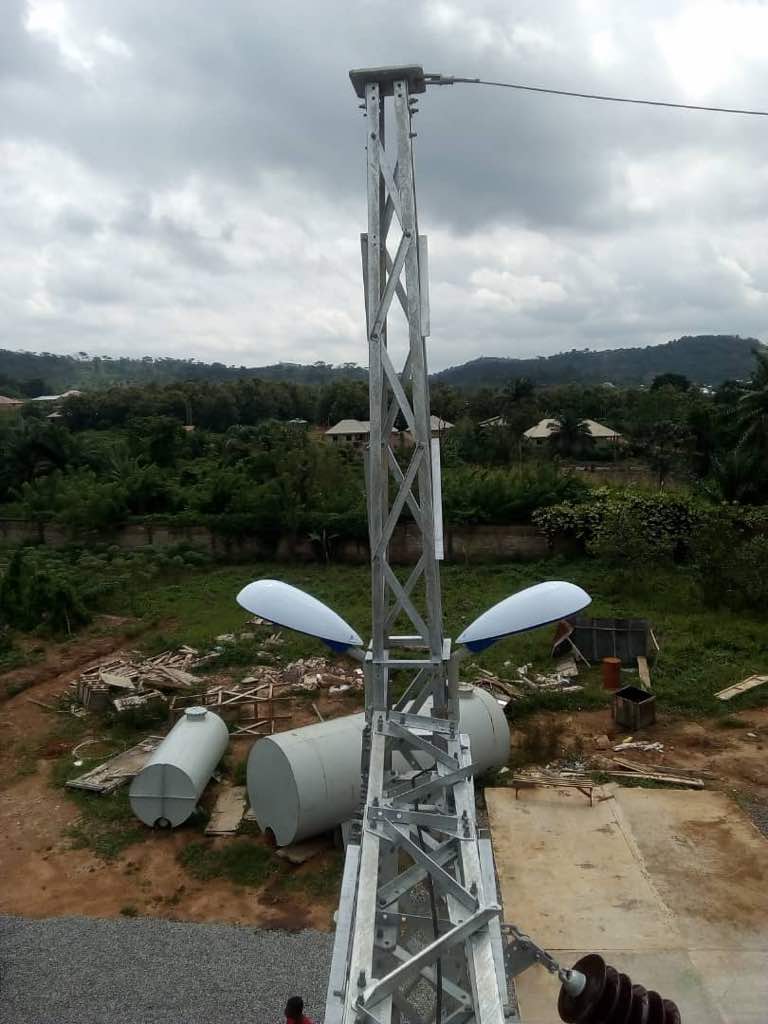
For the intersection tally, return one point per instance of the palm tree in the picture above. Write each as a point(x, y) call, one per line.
point(752, 410)
point(572, 437)
point(734, 476)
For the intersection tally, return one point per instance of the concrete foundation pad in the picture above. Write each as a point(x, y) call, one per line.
point(671, 887)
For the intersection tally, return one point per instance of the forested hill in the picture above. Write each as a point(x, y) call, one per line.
point(705, 359)
point(30, 374)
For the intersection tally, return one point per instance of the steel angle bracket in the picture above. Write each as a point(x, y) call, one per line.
point(448, 824)
point(410, 968)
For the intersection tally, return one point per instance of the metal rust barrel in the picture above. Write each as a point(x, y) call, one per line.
point(611, 673)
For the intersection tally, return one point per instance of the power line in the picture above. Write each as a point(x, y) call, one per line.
point(452, 80)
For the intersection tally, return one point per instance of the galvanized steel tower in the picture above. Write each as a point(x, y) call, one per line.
point(418, 931)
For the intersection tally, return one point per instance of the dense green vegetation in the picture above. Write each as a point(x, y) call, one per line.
point(123, 454)
point(245, 468)
point(706, 359)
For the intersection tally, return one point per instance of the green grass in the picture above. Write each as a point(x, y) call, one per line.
point(732, 722)
point(321, 882)
point(242, 861)
point(703, 649)
point(106, 824)
point(247, 862)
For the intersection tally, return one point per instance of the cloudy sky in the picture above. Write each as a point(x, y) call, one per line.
point(184, 177)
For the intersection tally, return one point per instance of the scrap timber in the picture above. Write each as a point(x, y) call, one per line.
point(118, 770)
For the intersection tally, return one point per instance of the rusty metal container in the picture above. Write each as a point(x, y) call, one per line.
point(611, 673)
point(634, 708)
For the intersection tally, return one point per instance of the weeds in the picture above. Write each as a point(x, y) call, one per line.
point(240, 773)
point(322, 882)
point(243, 862)
point(731, 722)
point(106, 824)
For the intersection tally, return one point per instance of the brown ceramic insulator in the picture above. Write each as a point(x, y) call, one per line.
point(638, 1013)
point(655, 1008)
point(576, 1009)
point(671, 1013)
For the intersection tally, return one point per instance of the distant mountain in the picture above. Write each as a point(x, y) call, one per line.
point(704, 359)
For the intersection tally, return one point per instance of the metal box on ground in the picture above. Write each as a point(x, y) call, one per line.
point(634, 708)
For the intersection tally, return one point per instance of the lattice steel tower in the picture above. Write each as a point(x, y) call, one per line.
point(418, 930)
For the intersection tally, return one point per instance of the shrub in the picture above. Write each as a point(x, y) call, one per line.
point(623, 540)
point(731, 559)
point(472, 495)
point(37, 590)
point(659, 522)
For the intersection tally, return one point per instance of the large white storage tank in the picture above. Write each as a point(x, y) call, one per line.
point(307, 781)
point(169, 786)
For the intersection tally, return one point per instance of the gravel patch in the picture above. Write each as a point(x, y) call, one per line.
point(757, 809)
point(77, 970)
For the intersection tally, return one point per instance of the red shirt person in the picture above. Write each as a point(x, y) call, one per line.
point(294, 1011)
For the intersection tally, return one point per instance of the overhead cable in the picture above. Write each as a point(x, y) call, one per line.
point(453, 80)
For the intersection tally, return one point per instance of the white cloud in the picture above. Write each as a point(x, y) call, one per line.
point(707, 42)
point(181, 181)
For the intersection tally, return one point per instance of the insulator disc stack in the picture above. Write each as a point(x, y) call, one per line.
point(609, 997)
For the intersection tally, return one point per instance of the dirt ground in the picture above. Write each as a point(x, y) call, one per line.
point(41, 875)
point(734, 752)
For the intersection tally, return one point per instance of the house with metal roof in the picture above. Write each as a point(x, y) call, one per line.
point(354, 433)
point(546, 428)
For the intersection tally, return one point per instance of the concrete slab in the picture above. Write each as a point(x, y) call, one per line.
point(670, 886)
point(227, 812)
point(708, 862)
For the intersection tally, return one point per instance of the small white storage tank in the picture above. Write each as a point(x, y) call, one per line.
point(307, 781)
point(167, 789)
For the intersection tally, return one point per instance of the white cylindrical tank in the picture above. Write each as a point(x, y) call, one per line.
point(168, 787)
point(307, 781)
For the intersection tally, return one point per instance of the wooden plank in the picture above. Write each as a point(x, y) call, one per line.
point(112, 774)
point(672, 780)
point(584, 786)
point(642, 668)
point(227, 812)
point(746, 684)
point(42, 704)
point(664, 769)
point(633, 766)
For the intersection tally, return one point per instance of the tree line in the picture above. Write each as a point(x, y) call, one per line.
point(124, 451)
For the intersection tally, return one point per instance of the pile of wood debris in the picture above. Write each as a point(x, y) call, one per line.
point(526, 682)
point(130, 681)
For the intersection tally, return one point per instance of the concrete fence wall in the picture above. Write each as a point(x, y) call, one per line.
point(462, 543)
